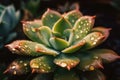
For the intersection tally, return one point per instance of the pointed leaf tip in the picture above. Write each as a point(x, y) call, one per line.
point(50, 17)
point(67, 62)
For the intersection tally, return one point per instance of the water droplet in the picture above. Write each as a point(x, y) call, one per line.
point(92, 38)
point(25, 64)
point(26, 46)
point(91, 68)
point(81, 22)
point(87, 24)
point(35, 65)
point(13, 49)
point(63, 64)
point(21, 61)
point(77, 36)
point(13, 67)
point(14, 72)
point(49, 67)
point(73, 21)
point(51, 16)
point(94, 43)
point(79, 26)
point(26, 29)
point(86, 21)
point(72, 64)
point(96, 57)
point(84, 24)
point(42, 70)
point(81, 31)
point(33, 29)
point(96, 40)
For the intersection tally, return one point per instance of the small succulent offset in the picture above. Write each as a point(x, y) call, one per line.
point(62, 45)
point(8, 21)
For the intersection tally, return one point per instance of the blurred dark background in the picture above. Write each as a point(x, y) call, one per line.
point(107, 14)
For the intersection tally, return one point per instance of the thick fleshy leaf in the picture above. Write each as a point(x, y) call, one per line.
point(12, 14)
point(29, 30)
point(75, 47)
point(19, 67)
point(73, 16)
point(63, 74)
point(37, 33)
point(66, 61)
point(94, 75)
point(44, 34)
point(82, 27)
point(60, 26)
point(88, 62)
point(42, 64)
point(92, 40)
point(103, 30)
point(58, 43)
point(105, 54)
point(25, 47)
point(50, 17)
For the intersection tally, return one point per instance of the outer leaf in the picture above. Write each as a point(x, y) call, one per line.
point(58, 43)
point(88, 62)
point(93, 39)
point(42, 33)
point(62, 74)
point(60, 26)
point(42, 64)
point(73, 16)
point(25, 47)
point(11, 13)
point(82, 27)
point(19, 67)
point(74, 47)
point(104, 31)
point(50, 17)
point(66, 61)
point(94, 75)
point(105, 54)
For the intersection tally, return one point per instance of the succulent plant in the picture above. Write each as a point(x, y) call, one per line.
point(65, 46)
point(8, 20)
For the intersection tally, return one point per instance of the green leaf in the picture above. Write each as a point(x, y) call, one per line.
point(58, 43)
point(94, 75)
point(82, 27)
point(62, 74)
point(73, 16)
point(44, 33)
point(42, 64)
point(74, 48)
point(12, 14)
point(37, 33)
point(88, 62)
point(105, 54)
point(19, 67)
point(60, 26)
point(92, 40)
point(103, 30)
point(50, 17)
point(66, 61)
point(25, 47)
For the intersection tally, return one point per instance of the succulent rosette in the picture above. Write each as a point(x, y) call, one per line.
point(63, 45)
point(8, 20)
